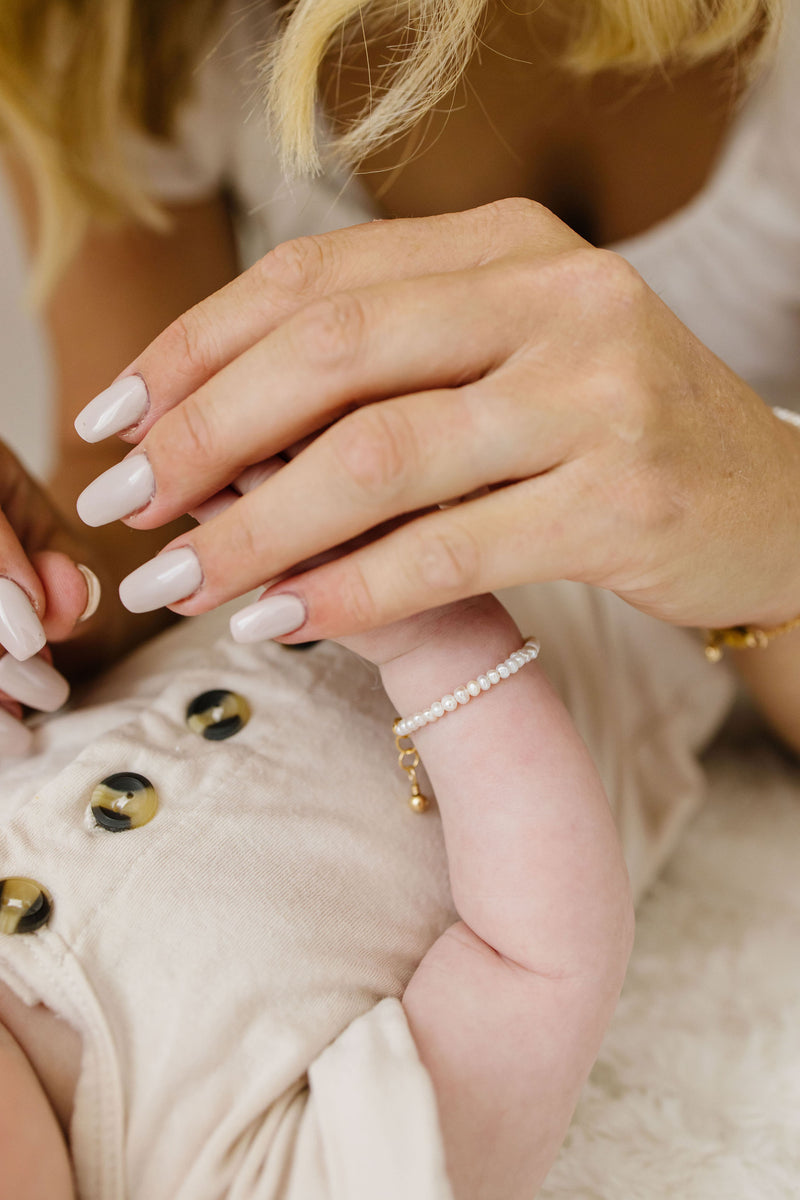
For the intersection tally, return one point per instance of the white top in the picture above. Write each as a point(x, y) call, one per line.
point(728, 263)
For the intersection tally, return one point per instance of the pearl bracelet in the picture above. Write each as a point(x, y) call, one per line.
point(403, 727)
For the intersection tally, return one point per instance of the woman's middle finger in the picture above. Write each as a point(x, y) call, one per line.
point(345, 351)
point(295, 274)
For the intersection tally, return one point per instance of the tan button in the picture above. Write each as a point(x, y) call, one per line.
point(24, 905)
point(218, 714)
point(124, 801)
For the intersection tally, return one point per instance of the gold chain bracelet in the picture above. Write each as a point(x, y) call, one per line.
point(744, 637)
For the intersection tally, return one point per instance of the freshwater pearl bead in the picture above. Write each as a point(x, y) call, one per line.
point(465, 692)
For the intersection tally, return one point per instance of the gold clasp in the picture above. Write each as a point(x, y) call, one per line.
point(416, 800)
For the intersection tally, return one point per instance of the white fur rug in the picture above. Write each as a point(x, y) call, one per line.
point(696, 1095)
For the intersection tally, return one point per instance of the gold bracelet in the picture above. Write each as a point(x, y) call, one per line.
point(744, 637)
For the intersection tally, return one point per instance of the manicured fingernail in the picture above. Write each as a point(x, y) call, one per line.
point(93, 592)
point(21, 630)
point(268, 618)
point(117, 408)
point(118, 492)
point(33, 682)
point(15, 738)
point(165, 579)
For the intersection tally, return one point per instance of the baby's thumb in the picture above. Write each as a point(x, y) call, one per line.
point(72, 593)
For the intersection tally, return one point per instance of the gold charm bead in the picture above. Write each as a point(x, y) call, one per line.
point(743, 637)
point(25, 905)
point(408, 758)
point(218, 714)
point(124, 801)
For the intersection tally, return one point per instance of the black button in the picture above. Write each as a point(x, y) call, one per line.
point(124, 801)
point(24, 905)
point(217, 714)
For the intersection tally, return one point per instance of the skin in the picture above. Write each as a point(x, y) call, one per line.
point(602, 482)
point(615, 447)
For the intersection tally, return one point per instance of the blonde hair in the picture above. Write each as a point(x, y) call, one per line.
point(75, 73)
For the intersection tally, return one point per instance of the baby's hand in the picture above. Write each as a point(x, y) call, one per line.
point(45, 596)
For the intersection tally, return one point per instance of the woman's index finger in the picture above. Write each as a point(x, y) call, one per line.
point(214, 332)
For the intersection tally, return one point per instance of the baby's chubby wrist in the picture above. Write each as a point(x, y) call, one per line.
point(433, 652)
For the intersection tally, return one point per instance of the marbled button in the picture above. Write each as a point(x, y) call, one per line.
point(24, 905)
point(217, 714)
point(124, 801)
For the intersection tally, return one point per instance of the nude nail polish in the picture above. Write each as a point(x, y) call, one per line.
point(165, 579)
point(33, 682)
point(118, 492)
point(269, 618)
point(117, 408)
point(15, 738)
point(21, 631)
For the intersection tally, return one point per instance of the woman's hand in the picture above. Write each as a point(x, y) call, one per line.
point(45, 597)
point(489, 349)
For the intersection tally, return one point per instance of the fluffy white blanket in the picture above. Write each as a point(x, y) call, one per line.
point(696, 1094)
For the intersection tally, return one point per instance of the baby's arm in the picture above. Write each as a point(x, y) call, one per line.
point(509, 1006)
point(34, 1163)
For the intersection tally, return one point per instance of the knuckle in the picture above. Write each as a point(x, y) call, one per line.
point(516, 209)
point(245, 543)
point(191, 430)
point(355, 601)
point(612, 279)
point(329, 333)
point(447, 561)
point(192, 343)
point(507, 224)
point(300, 265)
point(375, 449)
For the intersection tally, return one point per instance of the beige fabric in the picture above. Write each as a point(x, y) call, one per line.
point(208, 958)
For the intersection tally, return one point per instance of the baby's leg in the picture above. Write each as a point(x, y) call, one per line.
point(34, 1157)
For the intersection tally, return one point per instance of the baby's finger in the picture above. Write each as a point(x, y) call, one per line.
point(215, 332)
point(72, 593)
point(22, 598)
point(34, 683)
